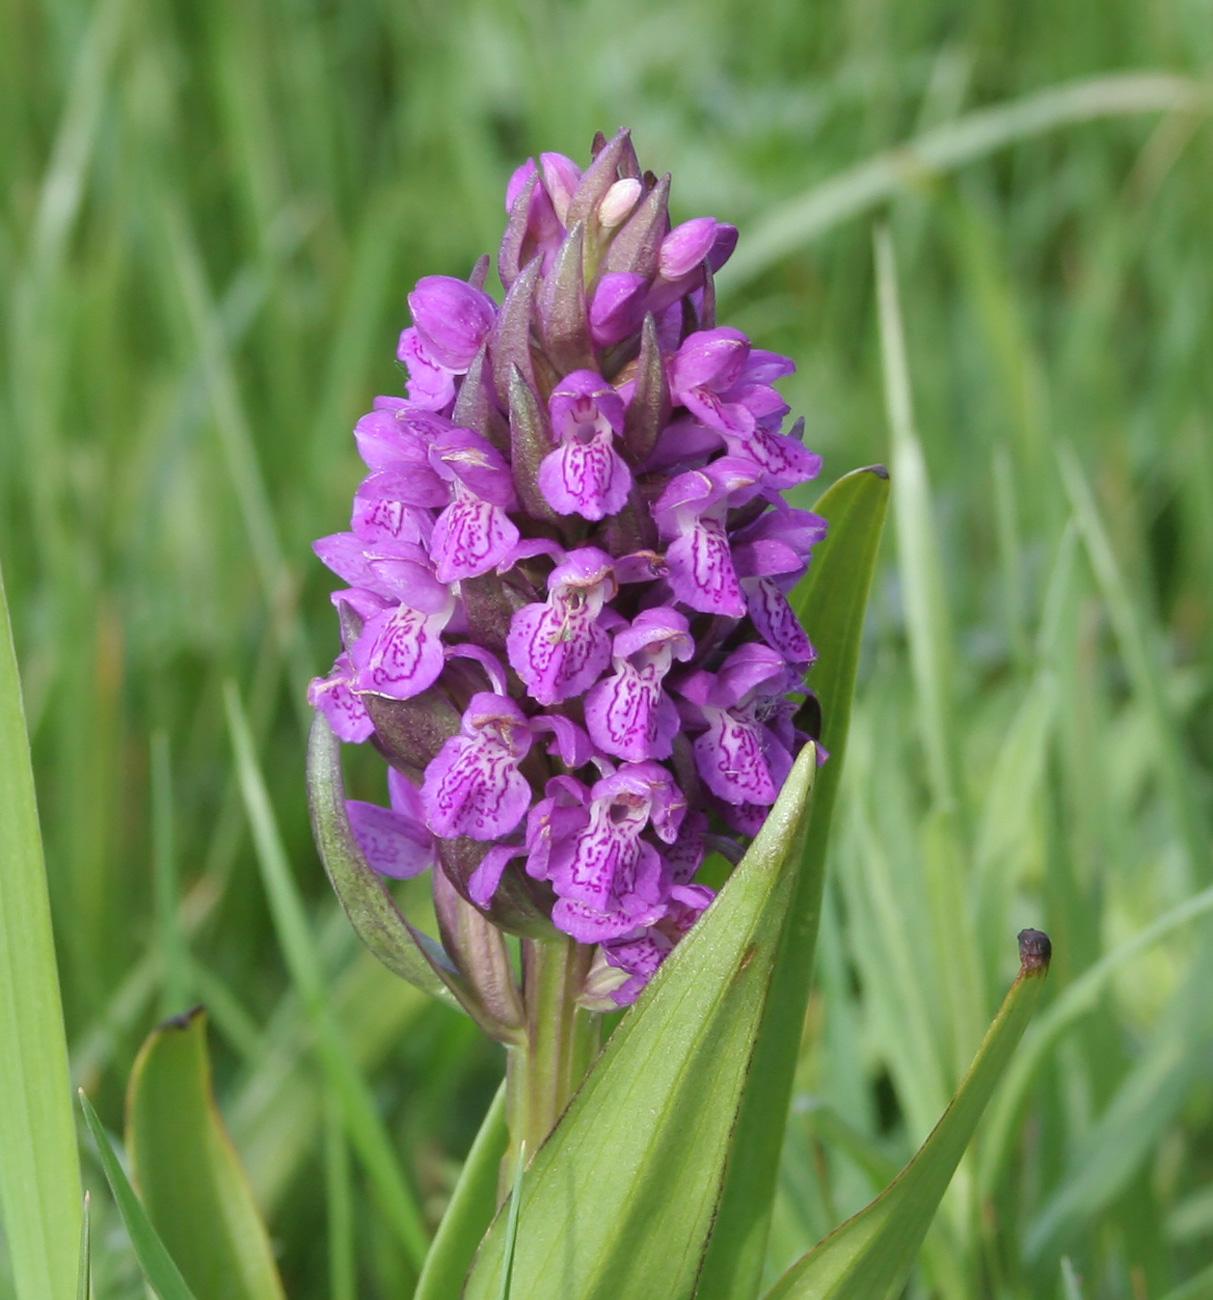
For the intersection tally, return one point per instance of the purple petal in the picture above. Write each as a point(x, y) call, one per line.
point(686, 246)
point(589, 479)
point(465, 455)
point(557, 653)
point(483, 882)
point(730, 759)
point(430, 385)
point(701, 570)
point(393, 845)
point(470, 537)
point(709, 359)
point(399, 653)
point(776, 621)
point(341, 707)
point(452, 318)
point(473, 787)
point(561, 176)
point(617, 308)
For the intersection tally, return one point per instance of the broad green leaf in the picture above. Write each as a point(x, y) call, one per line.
point(471, 1209)
point(39, 1171)
point(372, 911)
point(870, 1256)
point(162, 1274)
point(189, 1176)
point(620, 1199)
point(831, 602)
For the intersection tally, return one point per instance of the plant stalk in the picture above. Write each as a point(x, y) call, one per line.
point(546, 1069)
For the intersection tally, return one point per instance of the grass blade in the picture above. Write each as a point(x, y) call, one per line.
point(870, 1256)
point(471, 1209)
point(84, 1276)
point(39, 1172)
point(162, 1274)
point(862, 188)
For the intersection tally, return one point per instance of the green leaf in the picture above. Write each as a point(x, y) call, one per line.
point(831, 602)
point(870, 1256)
point(84, 1266)
point(39, 1171)
point(620, 1199)
point(162, 1274)
point(372, 911)
point(188, 1174)
point(471, 1209)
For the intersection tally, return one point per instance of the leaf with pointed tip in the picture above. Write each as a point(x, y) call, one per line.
point(470, 1211)
point(830, 602)
point(39, 1168)
point(190, 1179)
point(870, 1256)
point(157, 1264)
point(372, 911)
point(645, 1139)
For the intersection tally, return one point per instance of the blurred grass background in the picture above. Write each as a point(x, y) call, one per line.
point(212, 214)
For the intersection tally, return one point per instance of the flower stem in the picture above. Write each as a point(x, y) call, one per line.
point(545, 1071)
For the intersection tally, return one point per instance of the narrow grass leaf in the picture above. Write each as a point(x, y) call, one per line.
point(800, 220)
point(470, 1211)
point(39, 1171)
point(511, 1225)
point(830, 602)
point(870, 1256)
point(189, 1175)
point(619, 1201)
point(84, 1266)
point(365, 1126)
point(161, 1272)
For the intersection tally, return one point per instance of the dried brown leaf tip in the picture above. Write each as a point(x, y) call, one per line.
point(1035, 950)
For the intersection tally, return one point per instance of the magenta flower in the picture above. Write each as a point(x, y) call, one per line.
point(566, 619)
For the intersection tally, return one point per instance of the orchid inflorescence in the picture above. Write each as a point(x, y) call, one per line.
point(567, 625)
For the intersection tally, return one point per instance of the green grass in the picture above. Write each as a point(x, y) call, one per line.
point(212, 215)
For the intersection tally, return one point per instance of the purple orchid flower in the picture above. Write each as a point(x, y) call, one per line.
point(585, 480)
point(559, 648)
point(585, 475)
point(629, 714)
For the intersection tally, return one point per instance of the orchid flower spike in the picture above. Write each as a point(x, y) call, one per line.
point(565, 616)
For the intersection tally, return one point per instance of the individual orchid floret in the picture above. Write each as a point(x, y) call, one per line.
point(691, 515)
point(585, 475)
point(473, 787)
point(629, 715)
point(738, 757)
point(558, 648)
point(452, 319)
point(334, 697)
point(474, 533)
point(714, 376)
point(610, 880)
point(395, 841)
